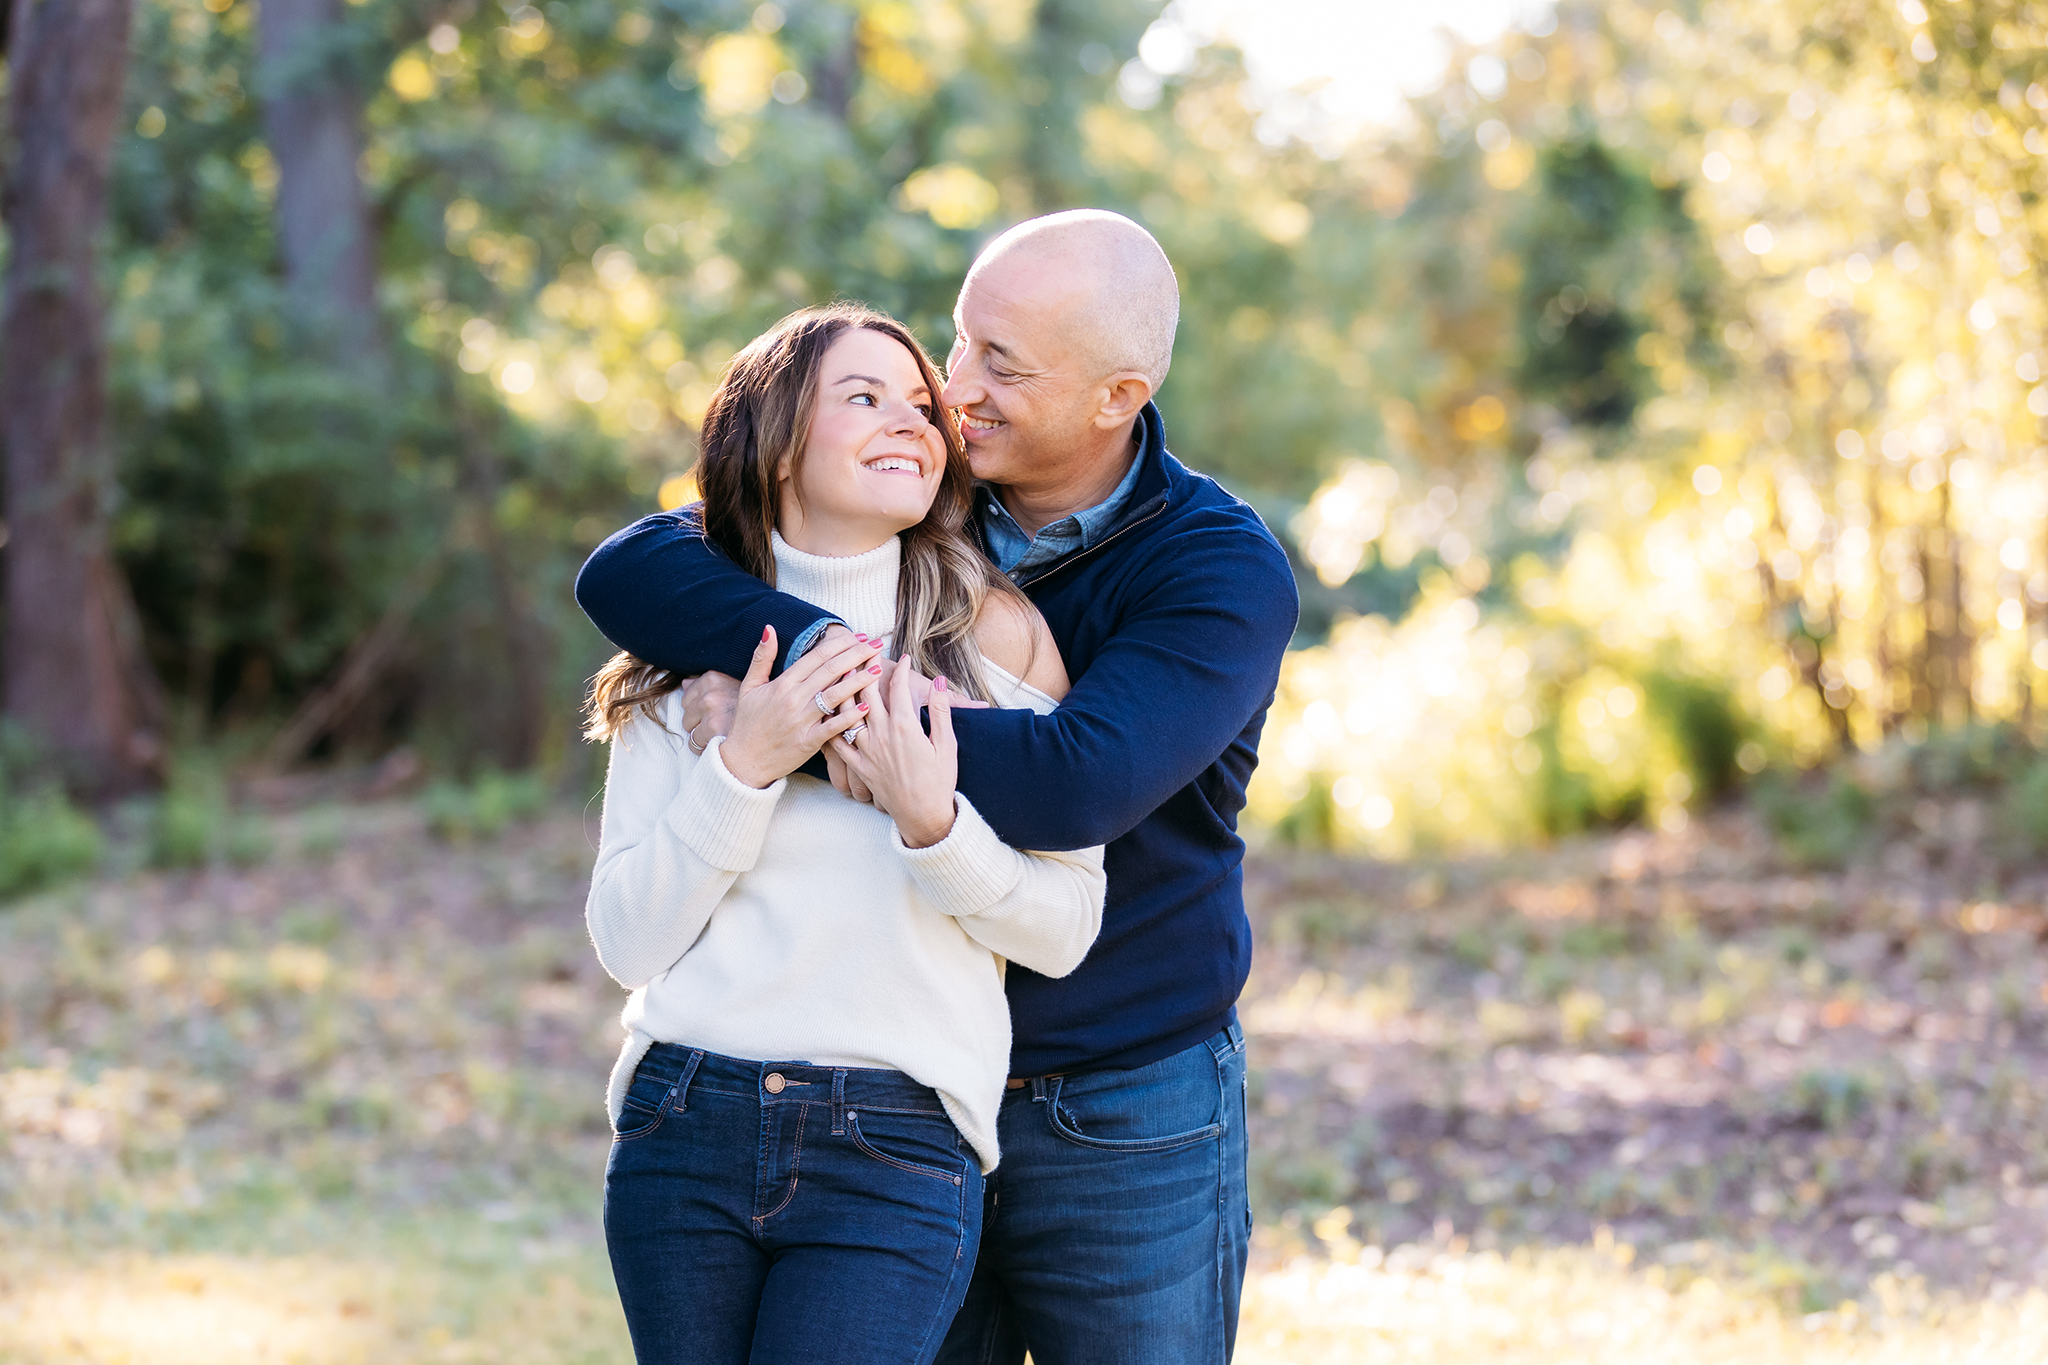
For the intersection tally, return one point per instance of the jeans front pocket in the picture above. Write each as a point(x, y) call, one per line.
point(646, 1104)
point(1064, 1122)
point(905, 1137)
point(1160, 1107)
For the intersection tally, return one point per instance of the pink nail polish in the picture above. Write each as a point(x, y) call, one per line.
point(939, 683)
point(764, 633)
point(875, 669)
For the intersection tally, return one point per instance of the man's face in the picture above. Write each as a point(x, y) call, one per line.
point(1017, 381)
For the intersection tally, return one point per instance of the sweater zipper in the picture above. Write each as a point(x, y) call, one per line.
point(1107, 541)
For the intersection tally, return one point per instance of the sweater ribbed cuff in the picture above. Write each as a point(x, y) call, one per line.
point(969, 870)
point(720, 818)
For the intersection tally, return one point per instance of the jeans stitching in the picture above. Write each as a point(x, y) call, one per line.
point(654, 1121)
point(796, 1158)
point(853, 1132)
point(939, 1323)
point(1135, 1146)
point(1222, 1196)
point(681, 1094)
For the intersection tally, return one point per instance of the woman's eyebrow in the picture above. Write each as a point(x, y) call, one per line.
point(860, 379)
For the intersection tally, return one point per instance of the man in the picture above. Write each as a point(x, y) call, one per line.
point(1117, 1224)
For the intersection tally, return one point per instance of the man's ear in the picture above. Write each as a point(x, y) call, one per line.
point(1123, 395)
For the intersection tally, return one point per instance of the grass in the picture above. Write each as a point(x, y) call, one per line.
point(1668, 1097)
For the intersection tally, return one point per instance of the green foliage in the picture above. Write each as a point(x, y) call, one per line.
point(194, 823)
point(1311, 821)
point(481, 809)
point(44, 840)
point(186, 825)
point(2026, 809)
point(1700, 717)
point(1829, 1099)
point(1584, 241)
point(1819, 829)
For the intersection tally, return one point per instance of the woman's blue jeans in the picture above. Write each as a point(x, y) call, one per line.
point(773, 1212)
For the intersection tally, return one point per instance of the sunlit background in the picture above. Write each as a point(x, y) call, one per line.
point(1650, 395)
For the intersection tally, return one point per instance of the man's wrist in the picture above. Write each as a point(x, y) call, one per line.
point(810, 636)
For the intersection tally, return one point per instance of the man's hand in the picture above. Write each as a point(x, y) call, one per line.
point(843, 778)
point(708, 703)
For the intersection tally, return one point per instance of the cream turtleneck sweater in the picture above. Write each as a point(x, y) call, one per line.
point(792, 924)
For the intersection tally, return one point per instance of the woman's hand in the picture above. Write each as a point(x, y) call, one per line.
point(777, 725)
point(911, 775)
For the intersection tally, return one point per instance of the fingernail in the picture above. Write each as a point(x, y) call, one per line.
point(875, 669)
point(860, 706)
point(939, 683)
point(764, 633)
point(858, 636)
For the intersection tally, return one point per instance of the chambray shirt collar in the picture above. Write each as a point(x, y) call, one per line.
point(1016, 553)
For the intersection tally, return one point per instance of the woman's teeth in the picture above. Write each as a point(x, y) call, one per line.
point(893, 464)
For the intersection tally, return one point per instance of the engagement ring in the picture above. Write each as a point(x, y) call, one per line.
point(853, 734)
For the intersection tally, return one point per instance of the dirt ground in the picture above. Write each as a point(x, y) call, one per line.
point(1636, 1097)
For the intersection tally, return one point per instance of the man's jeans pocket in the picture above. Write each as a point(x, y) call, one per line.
point(1127, 1117)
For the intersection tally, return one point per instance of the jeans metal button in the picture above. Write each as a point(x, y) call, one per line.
point(773, 1085)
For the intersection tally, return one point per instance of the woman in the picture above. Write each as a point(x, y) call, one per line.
point(817, 1036)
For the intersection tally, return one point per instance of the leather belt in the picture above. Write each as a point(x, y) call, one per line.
point(1019, 1082)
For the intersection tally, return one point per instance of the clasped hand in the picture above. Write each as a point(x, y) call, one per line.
point(773, 728)
point(910, 774)
point(777, 725)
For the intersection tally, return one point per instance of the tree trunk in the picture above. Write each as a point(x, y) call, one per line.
point(76, 677)
point(312, 117)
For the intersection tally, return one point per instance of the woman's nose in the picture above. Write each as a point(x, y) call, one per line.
point(911, 420)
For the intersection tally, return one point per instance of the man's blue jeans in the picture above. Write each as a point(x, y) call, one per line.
point(1115, 1230)
point(774, 1212)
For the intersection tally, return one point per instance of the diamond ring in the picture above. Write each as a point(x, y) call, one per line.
point(818, 700)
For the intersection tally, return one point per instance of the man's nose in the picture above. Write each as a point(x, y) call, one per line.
point(961, 387)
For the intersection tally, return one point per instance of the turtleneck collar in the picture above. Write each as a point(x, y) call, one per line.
point(859, 589)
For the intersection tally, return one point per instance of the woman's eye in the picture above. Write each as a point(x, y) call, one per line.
point(867, 398)
point(930, 412)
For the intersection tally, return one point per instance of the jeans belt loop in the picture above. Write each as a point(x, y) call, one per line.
point(683, 1085)
point(838, 1101)
point(1038, 1089)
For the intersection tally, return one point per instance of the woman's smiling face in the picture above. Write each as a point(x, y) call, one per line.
point(873, 459)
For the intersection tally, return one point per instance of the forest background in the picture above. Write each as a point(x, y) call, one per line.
point(1651, 835)
point(1655, 403)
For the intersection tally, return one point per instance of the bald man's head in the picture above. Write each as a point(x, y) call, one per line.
point(1123, 304)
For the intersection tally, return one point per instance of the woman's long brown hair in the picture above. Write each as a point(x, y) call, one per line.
point(759, 418)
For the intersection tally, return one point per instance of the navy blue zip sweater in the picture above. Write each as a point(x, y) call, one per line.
point(1173, 626)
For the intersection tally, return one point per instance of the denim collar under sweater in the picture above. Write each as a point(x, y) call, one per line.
point(1018, 555)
